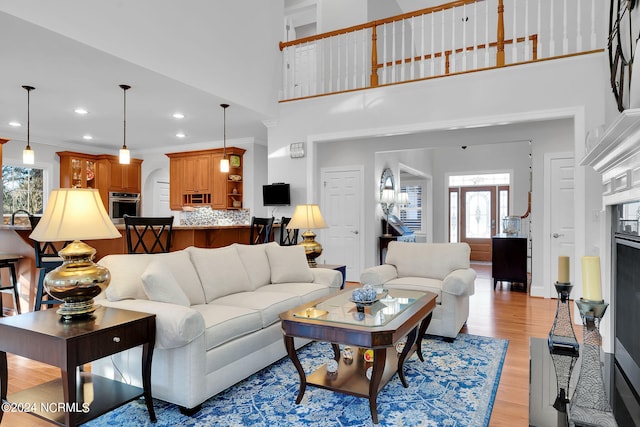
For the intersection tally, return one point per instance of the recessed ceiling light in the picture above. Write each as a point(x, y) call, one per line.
point(181, 134)
point(15, 124)
point(87, 137)
point(81, 111)
point(178, 116)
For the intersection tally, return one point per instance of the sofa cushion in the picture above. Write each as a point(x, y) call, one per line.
point(221, 271)
point(256, 263)
point(306, 291)
point(126, 271)
point(288, 264)
point(434, 260)
point(224, 323)
point(417, 284)
point(269, 304)
point(180, 265)
point(159, 284)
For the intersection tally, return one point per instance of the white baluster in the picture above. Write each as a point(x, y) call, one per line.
point(384, 54)
point(321, 55)
point(422, 51)
point(486, 34)
point(443, 57)
point(527, 48)
point(579, 28)
point(539, 28)
point(403, 54)
point(452, 58)
point(514, 35)
point(464, 37)
point(433, 44)
point(565, 30)
point(331, 64)
point(412, 48)
point(552, 42)
point(393, 52)
point(365, 35)
point(475, 36)
point(346, 61)
point(593, 24)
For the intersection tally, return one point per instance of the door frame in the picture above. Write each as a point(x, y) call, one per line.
point(359, 169)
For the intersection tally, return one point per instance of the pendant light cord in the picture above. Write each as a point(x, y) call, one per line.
point(28, 89)
point(124, 116)
point(224, 130)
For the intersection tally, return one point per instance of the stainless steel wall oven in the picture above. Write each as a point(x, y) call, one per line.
point(123, 203)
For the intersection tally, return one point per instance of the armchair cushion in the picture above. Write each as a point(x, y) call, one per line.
point(428, 260)
point(460, 282)
point(378, 275)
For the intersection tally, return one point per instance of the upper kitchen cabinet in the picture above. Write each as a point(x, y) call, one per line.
point(77, 170)
point(196, 180)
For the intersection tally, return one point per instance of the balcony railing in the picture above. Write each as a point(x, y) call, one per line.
point(453, 38)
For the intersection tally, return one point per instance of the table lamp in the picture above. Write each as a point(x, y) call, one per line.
point(307, 217)
point(73, 214)
point(387, 199)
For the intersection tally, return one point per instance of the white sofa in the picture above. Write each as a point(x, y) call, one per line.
point(217, 314)
point(442, 268)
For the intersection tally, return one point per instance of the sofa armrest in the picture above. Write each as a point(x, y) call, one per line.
point(378, 275)
point(176, 325)
point(325, 276)
point(460, 282)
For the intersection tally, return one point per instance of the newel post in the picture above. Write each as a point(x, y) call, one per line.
point(500, 52)
point(374, 57)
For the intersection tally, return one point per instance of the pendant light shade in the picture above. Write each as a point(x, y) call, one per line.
point(125, 156)
point(224, 162)
point(28, 156)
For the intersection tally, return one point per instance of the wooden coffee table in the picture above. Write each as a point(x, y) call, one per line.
point(378, 327)
point(73, 400)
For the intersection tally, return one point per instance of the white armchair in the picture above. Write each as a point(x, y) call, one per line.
point(442, 268)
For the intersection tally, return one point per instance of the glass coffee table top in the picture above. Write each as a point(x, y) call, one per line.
point(341, 309)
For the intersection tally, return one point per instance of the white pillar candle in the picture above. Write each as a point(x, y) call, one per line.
point(563, 269)
point(591, 286)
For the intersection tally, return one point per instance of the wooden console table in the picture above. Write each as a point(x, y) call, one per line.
point(43, 336)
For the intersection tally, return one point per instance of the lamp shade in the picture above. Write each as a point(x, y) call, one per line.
point(307, 217)
point(403, 198)
point(388, 196)
point(74, 214)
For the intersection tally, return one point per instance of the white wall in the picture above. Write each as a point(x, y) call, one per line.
point(527, 96)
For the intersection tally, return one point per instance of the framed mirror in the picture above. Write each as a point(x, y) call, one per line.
point(387, 191)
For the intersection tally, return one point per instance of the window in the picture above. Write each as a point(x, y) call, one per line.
point(411, 215)
point(23, 188)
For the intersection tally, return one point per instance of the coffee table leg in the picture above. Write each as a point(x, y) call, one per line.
point(423, 329)
point(379, 359)
point(336, 351)
point(3, 381)
point(411, 339)
point(291, 351)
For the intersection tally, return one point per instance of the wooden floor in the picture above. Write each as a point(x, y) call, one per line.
point(503, 313)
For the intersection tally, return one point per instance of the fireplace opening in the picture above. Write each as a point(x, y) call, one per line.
point(626, 280)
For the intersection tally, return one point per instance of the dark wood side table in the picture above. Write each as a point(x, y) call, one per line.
point(341, 268)
point(42, 336)
point(509, 259)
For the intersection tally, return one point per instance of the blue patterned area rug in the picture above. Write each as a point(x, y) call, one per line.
point(455, 386)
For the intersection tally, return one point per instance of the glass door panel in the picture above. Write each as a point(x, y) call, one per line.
point(478, 220)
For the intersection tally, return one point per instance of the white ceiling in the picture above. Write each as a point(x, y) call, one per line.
point(68, 74)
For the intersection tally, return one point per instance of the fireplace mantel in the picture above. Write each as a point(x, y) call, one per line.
point(617, 158)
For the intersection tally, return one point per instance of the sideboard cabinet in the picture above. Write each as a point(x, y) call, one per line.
point(195, 179)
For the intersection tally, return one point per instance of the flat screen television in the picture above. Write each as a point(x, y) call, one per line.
point(276, 194)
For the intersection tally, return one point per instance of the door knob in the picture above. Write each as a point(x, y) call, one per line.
point(355, 231)
point(556, 235)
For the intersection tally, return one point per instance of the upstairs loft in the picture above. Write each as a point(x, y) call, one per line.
point(450, 39)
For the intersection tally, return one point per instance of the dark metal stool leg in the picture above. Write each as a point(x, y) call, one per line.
point(14, 283)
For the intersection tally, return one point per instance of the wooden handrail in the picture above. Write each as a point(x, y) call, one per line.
point(373, 24)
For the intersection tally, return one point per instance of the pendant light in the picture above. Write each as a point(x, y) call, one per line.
point(224, 162)
point(28, 156)
point(125, 156)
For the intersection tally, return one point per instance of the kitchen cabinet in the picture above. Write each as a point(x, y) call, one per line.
point(196, 179)
point(77, 170)
point(125, 178)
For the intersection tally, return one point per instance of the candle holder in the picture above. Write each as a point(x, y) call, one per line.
point(564, 359)
point(589, 404)
point(562, 337)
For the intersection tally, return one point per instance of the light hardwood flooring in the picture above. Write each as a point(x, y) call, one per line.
point(503, 313)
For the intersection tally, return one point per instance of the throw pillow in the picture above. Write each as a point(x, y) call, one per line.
point(221, 271)
point(289, 264)
point(161, 285)
point(125, 275)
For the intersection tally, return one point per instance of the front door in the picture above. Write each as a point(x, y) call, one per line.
point(342, 210)
point(478, 220)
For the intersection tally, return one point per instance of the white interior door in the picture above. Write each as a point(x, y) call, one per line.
point(161, 199)
point(342, 201)
point(561, 219)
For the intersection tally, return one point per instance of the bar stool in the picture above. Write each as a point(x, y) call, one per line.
point(9, 261)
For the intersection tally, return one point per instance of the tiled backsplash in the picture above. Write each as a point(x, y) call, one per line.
point(208, 216)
